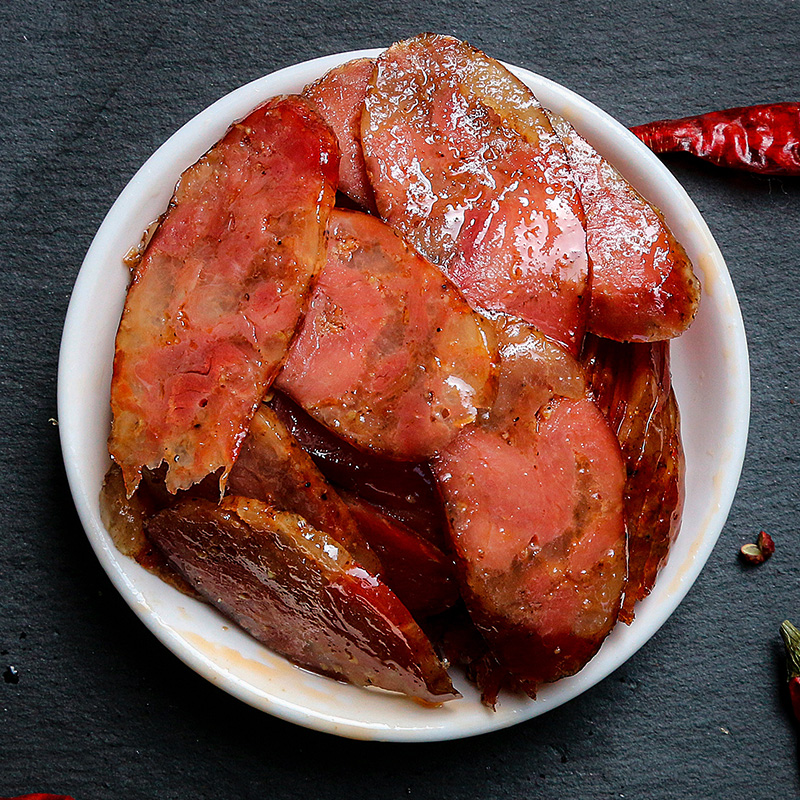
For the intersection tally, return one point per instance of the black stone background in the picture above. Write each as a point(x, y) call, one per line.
point(101, 709)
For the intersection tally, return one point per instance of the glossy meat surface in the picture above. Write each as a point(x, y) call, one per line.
point(535, 513)
point(405, 490)
point(338, 96)
point(389, 355)
point(533, 369)
point(216, 298)
point(273, 467)
point(464, 162)
point(643, 284)
point(633, 387)
point(299, 592)
point(417, 571)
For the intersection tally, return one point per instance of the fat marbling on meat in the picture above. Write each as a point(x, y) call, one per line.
point(389, 355)
point(215, 300)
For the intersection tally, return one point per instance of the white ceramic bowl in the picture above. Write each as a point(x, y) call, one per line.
point(711, 378)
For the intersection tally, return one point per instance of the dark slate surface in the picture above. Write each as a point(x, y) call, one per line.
point(101, 709)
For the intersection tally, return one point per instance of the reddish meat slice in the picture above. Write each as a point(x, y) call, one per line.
point(465, 163)
point(273, 467)
point(338, 96)
point(404, 490)
point(418, 572)
point(215, 300)
point(633, 387)
point(298, 591)
point(389, 354)
point(643, 285)
point(536, 519)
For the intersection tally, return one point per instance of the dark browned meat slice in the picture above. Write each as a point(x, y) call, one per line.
point(418, 572)
point(465, 163)
point(338, 96)
point(273, 467)
point(299, 592)
point(643, 285)
point(462, 644)
point(404, 490)
point(536, 519)
point(217, 295)
point(389, 355)
point(633, 387)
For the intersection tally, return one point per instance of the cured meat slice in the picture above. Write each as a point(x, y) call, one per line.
point(218, 293)
point(273, 467)
point(465, 163)
point(418, 572)
point(536, 519)
point(299, 592)
point(389, 354)
point(404, 490)
point(338, 96)
point(643, 285)
point(533, 369)
point(633, 387)
point(463, 645)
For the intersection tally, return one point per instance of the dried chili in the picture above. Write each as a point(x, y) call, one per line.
point(763, 138)
point(791, 638)
point(38, 796)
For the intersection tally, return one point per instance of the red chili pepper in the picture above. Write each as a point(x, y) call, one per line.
point(791, 638)
point(38, 797)
point(763, 139)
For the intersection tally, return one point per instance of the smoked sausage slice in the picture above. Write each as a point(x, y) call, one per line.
point(338, 96)
point(299, 592)
point(633, 387)
point(389, 355)
point(465, 163)
point(273, 467)
point(403, 489)
point(417, 571)
point(643, 284)
point(215, 300)
point(536, 520)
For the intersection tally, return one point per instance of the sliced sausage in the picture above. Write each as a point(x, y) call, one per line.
point(536, 520)
point(273, 467)
point(465, 163)
point(417, 571)
point(404, 490)
point(633, 387)
point(338, 96)
point(299, 592)
point(643, 284)
point(218, 293)
point(389, 355)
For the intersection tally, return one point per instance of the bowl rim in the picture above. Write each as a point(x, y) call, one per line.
point(76, 387)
